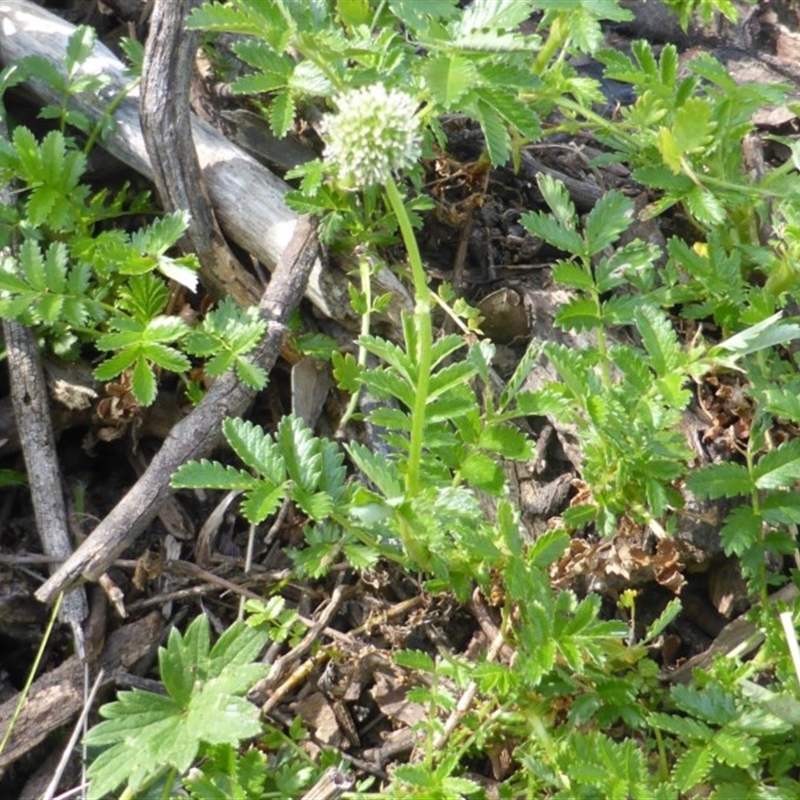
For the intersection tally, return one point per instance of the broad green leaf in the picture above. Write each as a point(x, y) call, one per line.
point(506, 440)
point(384, 383)
point(149, 733)
point(557, 198)
point(498, 141)
point(354, 12)
point(691, 730)
point(262, 500)
point(113, 366)
point(669, 149)
point(143, 382)
point(206, 474)
point(483, 472)
point(734, 748)
point(273, 69)
point(235, 19)
point(80, 46)
point(49, 308)
point(333, 480)
point(495, 14)
point(519, 115)
point(449, 78)
point(281, 114)
point(251, 374)
point(767, 333)
point(548, 548)
point(665, 618)
point(42, 201)
point(572, 275)
point(444, 408)
point(219, 363)
point(782, 508)
point(720, 480)
point(693, 128)
point(308, 78)
point(55, 266)
point(393, 419)
point(578, 314)
point(255, 448)
point(692, 768)
point(705, 206)
point(779, 468)
point(163, 328)
point(178, 661)
point(611, 215)
point(257, 83)
point(394, 355)
point(166, 357)
point(181, 270)
point(453, 376)
point(668, 65)
point(417, 14)
point(741, 531)
point(155, 239)
point(659, 339)
point(32, 263)
point(415, 660)
point(554, 233)
point(301, 452)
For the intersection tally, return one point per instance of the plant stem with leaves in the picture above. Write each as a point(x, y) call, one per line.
point(423, 327)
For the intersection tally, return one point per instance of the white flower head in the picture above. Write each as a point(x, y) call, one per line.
point(375, 133)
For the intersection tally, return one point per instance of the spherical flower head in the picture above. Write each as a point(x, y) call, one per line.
point(375, 133)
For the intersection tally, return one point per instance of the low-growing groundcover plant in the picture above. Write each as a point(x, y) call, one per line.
point(579, 711)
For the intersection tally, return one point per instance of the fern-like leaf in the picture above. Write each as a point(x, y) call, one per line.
point(720, 480)
point(207, 474)
point(779, 468)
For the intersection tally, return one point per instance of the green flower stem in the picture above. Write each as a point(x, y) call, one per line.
point(23, 695)
point(365, 275)
point(424, 338)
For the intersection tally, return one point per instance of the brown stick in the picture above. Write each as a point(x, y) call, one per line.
point(196, 435)
point(167, 130)
point(32, 412)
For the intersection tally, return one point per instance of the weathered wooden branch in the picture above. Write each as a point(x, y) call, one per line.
point(32, 412)
point(247, 198)
point(167, 130)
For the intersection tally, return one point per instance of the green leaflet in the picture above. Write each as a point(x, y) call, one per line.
point(146, 734)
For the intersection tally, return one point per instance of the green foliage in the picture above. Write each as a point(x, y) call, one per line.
point(705, 9)
point(141, 347)
point(227, 335)
point(147, 734)
point(764, 522)
point(683, 138)
point(581, 709)
point(626, 400)
point(76, 281)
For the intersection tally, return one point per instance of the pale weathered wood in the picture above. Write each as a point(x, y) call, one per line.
point(166, 119)
point(247, 197)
